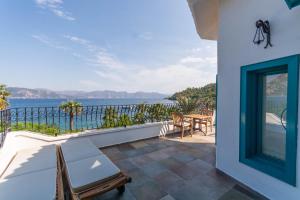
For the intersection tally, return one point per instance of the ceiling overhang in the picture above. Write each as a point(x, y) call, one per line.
point(206, 17)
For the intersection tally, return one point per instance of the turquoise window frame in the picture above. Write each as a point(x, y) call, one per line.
point(250, 111)
point(292, 3)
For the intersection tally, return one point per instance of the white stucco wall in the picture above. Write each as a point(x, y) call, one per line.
point(20, 140)
point(235, 49)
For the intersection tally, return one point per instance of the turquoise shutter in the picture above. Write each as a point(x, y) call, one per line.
point(292, 3)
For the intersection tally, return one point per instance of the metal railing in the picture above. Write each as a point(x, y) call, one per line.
point(4, 125)
point(57, 120)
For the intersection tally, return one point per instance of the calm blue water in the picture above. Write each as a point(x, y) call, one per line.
point(85, 102)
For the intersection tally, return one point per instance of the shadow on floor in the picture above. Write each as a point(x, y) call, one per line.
point(172, 168)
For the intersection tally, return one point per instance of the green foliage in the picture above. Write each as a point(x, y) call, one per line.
point(71, 107)
point(171, 110)
point(206, 95)
point(188, 105)
point(42, 128)
point(110, 118)
point(4, 93)
point(124, 120)
point(143, 113)
point(140, 115)
point(3, 104)
point(157, 112)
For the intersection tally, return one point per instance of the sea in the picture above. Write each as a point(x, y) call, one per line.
point(17, 103)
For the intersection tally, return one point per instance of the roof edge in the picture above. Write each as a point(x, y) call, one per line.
point(206, 17)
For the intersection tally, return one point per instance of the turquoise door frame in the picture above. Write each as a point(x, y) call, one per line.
point(292, 3)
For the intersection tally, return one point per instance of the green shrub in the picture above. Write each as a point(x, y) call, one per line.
point(188, 105)
point(206, 95)
point(110, 118)
point(157, 112)
point(140, 115)
point(124, 120)
point(34, 127)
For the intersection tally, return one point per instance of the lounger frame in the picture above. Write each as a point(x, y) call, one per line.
point(115, 182)
point(59, 178)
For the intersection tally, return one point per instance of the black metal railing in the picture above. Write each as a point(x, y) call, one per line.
point(57, 120)
point(5, 125)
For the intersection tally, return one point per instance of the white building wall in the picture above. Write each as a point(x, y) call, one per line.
point(235, 49)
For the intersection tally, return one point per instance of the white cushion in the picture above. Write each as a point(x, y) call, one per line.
point(186, 124)
point(38, 185)
point(32, 160)
point(87, 172)
point(74, 150)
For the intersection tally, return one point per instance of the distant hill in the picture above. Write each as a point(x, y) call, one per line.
point(26, 93)
point(206, 94)
point(278, 85)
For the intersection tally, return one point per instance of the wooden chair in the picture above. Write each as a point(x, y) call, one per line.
point(206, 122)
point(180, 122)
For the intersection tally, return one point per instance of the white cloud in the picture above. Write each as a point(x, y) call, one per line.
point(192, 60)
point(195, 68)
point(55, 6)
point(190, 71)
point(77, 40)
point(63, 14)
point(47, 41)
point(84, 42)
point(166, 79)
point(111, 76)
point(50, 3)
point(98, 56)
point(108, 60)
point(173, 78)
point(146, 36)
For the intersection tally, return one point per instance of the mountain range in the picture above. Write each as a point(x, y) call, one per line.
point(26, 93)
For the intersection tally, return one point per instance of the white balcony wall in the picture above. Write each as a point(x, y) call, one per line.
point(16, 141)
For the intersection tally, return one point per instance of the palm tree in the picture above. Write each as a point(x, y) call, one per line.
point(187, 105)
point(72, 108)
point(4, 93)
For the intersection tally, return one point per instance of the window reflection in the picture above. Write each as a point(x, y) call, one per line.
point(274, 115)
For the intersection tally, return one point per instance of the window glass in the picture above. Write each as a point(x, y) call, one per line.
point(274, 104)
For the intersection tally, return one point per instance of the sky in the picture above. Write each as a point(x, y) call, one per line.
point(122, 45)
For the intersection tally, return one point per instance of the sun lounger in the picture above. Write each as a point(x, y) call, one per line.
point(32, 174)
point(32, 160)
point(37, 185)
point(74, 150)
point(89, 175)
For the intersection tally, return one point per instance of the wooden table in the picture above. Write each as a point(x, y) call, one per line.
point(197, 117)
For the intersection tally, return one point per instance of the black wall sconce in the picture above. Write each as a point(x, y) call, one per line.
point(263, 31)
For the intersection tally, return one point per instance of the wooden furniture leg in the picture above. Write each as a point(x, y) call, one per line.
point(192, 127)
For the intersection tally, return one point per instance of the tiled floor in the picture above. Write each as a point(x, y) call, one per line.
point(173, 168)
